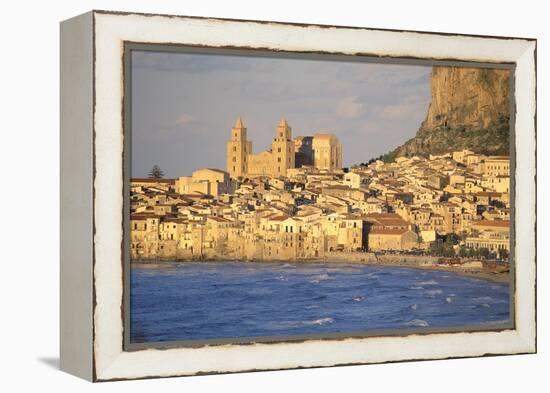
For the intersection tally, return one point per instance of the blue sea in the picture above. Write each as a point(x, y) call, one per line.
point(215, 300)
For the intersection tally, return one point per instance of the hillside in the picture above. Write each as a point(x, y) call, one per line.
point(469, 110)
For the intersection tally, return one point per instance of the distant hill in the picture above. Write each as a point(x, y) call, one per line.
point(469, 110)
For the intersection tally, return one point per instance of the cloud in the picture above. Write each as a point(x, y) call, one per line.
point(406, 108)
point(184, 120)
point(349, 108)
point(184, 105)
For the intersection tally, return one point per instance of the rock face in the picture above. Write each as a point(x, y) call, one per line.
point(469, 110)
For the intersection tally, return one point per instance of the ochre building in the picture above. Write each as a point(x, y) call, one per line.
point(322, 151)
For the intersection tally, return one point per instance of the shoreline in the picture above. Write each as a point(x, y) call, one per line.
point(396, 261)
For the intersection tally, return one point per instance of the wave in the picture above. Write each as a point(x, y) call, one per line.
point(320, 321)
point(416, 287)
point(417, 323)
point(429, 282)
point(448, 299)
point(413, 306)
point(320, 277)
point(311, 306)
point(434, 293)
point(281, 278)
point(358, 298)
point(482, 299)
point(371, 275)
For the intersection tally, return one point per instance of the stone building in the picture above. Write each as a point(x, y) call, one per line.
point(238, 149)
point(327, 152)
point(322, 151)
point(391, 239)
point(492, 235)
point(207, 181)
point(497, 166)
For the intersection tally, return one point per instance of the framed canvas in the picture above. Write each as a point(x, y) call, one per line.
point(248, 195)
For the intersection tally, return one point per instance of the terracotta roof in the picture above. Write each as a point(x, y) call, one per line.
point(218, 219)
point(386, 231)
point(491, 223)
point(279, 218)
point(488, 194)
point(143, 216)
point(152, 180)
point(176, 220)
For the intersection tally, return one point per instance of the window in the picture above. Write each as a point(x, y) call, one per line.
point(234, 148)
point(279, 150)
point(278, 159)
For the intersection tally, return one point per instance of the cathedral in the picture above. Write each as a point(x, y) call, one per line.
point(322, 151)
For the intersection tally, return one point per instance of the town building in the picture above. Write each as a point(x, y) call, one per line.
point(293, 202)
point(321, 151)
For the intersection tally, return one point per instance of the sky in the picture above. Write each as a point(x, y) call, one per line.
point(184, 105)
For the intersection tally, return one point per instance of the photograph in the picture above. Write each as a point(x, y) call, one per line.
point(279, 196)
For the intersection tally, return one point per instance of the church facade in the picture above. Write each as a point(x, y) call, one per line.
point(322, 151)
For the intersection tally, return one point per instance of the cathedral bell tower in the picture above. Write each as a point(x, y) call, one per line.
point(282, 149)
point(238, 149)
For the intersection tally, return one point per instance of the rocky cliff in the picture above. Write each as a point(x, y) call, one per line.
point(469, 110)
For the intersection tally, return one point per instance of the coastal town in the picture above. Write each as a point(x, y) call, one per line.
point(297, 202)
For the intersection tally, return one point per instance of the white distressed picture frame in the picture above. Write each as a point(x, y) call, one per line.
point(92, 143)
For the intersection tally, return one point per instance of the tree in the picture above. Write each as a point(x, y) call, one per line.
point(503, 253)
point(156, 172)
point(484, 253)
point(463, 251)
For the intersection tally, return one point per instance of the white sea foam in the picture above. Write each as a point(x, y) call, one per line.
point(483, 299)
point(485, 305)
point(371, 275)
point(281, 278)
point(359, 298)
point(311, 306)
point(429, 282)
point(448, 299)
point(434, 293)
point(414, 306)
point(320, 277)
point(320, 321)
point(417, 323)
point(416, 287)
